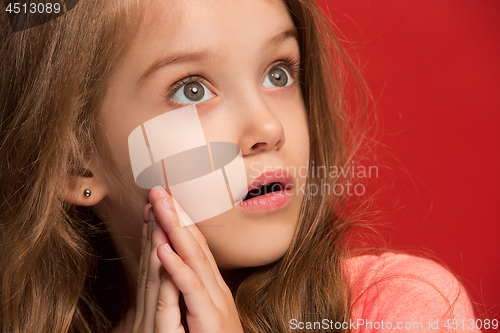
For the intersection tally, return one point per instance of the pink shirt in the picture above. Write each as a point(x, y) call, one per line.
point(403, 293)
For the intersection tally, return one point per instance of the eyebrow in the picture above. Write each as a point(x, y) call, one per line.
point(198, 56)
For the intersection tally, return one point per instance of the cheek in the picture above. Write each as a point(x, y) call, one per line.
point(293, 117)
point(117, 171)
point(122, 208)
point(296, 129)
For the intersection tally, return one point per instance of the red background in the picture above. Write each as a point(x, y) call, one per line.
point(433, 67)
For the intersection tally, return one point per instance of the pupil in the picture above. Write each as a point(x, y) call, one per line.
point(194, 91)
point(278, 77)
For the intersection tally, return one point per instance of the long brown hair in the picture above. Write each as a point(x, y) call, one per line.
point(52, 80)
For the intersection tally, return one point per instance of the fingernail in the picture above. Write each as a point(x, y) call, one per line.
point(167, 248)
point(160, 191)
point(155, 225)
point(166, 203)
point(145, 231)
point(151, 216)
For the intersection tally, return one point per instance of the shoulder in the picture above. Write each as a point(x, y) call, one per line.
point(404, 288)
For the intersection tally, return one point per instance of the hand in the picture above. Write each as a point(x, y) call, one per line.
point(190, 269)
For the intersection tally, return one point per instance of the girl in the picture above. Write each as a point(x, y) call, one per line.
point(262, 76)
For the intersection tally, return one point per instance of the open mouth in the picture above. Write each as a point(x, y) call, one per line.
point(264, 189)
point(271, 191)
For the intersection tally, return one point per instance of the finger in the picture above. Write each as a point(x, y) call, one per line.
point(186, 245)
point(153, 279)
point(144, 239)
point(159, 192)
point(197, 298)
point(148, 216)
point(202, 241)
point(141, 280)
point(147, 213)
point(168, 315)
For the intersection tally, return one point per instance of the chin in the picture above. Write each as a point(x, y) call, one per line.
point(249, 259)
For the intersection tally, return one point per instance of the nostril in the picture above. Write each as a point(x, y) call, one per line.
point(279, 143)
point(258, 145)
point(263, 145)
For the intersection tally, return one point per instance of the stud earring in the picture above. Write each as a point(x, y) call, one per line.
point(87, 193)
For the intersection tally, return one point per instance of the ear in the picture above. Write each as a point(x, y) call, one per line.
point(84, 188)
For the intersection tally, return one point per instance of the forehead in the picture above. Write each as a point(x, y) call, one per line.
point(223, 16)
point(192, 25)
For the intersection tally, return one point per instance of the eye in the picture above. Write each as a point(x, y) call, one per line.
point(277, 77)
point(191, 92)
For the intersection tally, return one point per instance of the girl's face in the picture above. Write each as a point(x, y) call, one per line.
point(237, 53)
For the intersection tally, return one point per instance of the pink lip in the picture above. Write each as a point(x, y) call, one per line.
point(273, 200)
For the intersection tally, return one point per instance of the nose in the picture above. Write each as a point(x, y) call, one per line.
point(262, 130)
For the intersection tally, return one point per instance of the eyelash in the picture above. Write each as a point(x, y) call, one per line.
point(292, 65)
point(182, 82)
